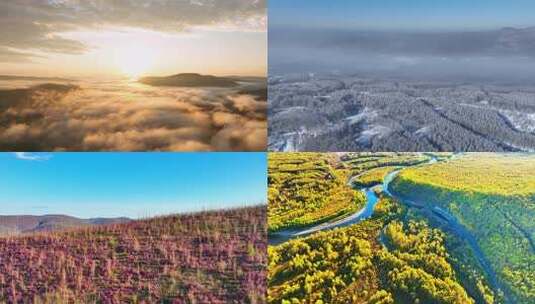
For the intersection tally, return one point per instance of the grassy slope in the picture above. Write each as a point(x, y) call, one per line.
point(493, 196)
point(212, 257)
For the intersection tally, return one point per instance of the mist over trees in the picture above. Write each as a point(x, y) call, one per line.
point(504, 54)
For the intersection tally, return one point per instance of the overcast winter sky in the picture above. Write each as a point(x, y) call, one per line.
point(414, 38)
point(132, 37)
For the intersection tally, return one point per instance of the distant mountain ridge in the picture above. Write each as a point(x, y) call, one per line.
point(190, 80)
point(18, 224)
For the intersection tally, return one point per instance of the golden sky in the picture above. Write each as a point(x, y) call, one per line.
point(69, 38)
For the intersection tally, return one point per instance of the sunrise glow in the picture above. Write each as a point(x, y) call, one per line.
point(135, 62)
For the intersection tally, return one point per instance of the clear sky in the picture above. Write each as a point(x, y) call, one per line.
point(129, 184)
point(132, 38)
point(403, 14)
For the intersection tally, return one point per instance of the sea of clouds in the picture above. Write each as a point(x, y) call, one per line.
point(126, 116)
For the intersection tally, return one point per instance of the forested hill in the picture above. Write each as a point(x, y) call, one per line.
point(492, 195)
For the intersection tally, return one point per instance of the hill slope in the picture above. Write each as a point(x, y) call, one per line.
point(210, 257)
point(189, 80)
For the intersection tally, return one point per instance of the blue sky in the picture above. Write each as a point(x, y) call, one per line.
point(403, 14)
point(129, 184)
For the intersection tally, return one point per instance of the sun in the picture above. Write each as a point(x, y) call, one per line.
point(134, 61)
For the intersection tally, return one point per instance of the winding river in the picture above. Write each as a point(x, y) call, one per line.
point(436, 213)
point(362, 214)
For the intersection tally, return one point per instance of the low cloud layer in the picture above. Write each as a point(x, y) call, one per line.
point(130, 118)
point(35, 25)
point(477, 53)
point(502, 42)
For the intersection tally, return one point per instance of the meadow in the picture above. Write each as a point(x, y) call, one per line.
point(207, 257)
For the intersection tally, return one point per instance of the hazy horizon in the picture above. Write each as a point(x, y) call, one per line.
point(480, 40)
point(134, 185)
point(119, 76)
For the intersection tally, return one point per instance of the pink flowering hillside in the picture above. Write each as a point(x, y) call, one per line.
point(209, 257)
